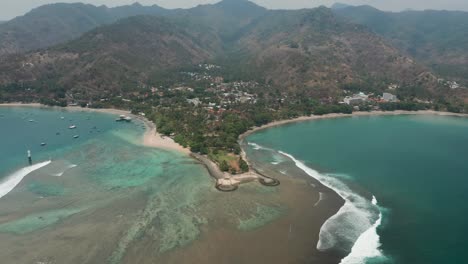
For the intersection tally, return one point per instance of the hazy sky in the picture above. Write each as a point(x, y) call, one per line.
point(12, 8)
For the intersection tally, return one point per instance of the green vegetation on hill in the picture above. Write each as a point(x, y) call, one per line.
point(57, 23)
point(208, 74)
point(436, 38)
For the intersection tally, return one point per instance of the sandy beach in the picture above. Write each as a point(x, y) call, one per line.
point(151, 138)
point(328, 116)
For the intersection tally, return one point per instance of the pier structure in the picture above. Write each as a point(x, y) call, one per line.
point(228, 183)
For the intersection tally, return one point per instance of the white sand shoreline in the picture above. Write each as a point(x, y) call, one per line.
point(330, 116)
point(151, 137)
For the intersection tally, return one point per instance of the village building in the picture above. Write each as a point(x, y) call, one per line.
point(388, 97)
point(356, 99)
point(194, 101)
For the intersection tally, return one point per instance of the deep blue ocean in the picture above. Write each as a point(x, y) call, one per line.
point(415, 168)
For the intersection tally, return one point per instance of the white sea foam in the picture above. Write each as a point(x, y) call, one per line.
point(259, 147)
point(254, 145)
point(60, 174)
point(15, 178)
point(367, 245)
point(354, 219)
point(277, 159)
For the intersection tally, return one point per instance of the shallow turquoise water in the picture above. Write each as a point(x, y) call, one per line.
point(24, 128)
point(416, 167)
point(93, 178)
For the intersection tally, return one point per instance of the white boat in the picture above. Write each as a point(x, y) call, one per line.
point(72, 127)
point(76, 136)
point(124, 118)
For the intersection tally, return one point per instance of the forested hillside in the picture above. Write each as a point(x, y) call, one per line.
point(438, 39)
point(56, 23)
point(311, 51)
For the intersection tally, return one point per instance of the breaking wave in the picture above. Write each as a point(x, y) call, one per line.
point(60, 174)
point(258, 147)
point(255, 146)
point(367, 245)
point(277, 159)
point(354, 227)
point(15, 178)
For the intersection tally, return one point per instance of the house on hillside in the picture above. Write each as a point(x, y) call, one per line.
point(388, 97)
point(356, 99)
point(194, 101)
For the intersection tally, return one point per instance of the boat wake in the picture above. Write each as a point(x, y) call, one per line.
point(15, 178)
point(354, 227)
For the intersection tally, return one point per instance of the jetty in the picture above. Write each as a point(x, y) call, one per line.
point(227, 182)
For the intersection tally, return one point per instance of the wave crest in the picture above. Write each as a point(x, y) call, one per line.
point(60, 174)
point(354, 227)
point(367, 245)
point(15, 178)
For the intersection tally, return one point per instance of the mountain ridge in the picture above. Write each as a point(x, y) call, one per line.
point(309, 50)
point(52, 24)
point(435, 38)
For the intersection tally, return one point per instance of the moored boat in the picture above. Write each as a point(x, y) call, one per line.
point(124, 118)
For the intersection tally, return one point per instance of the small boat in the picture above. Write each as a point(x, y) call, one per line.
point(123, 118)
point(72, 127)
point(43, 144)
point(62, 117)
point(30, 120)
point(76, 136)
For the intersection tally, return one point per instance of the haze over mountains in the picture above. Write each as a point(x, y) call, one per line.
point(56, 23)
point(438, 39)
point(99, 50)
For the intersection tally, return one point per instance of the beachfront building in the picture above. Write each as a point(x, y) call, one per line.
point(388, 97)
point(356, 99)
